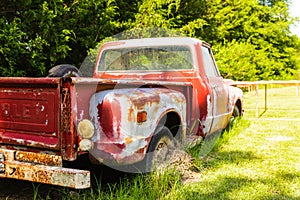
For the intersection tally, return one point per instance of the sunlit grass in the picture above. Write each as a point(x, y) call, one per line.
point(281, 103)
point(260, 161)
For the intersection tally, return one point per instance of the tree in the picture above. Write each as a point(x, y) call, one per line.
point(261, 31)
point(258, 30)
point(40, 34)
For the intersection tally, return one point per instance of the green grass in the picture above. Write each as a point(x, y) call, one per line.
point(258, 158)
point(281, 103)
point(152, 186)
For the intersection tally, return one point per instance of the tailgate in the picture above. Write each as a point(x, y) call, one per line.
point(29, 112)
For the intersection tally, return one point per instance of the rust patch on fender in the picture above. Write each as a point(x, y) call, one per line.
point(141, 100)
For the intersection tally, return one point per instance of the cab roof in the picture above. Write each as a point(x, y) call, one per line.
point(159, 41)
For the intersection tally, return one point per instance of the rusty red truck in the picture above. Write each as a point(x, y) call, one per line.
point(144, 94)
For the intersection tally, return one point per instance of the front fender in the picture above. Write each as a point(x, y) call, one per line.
point(120, 136)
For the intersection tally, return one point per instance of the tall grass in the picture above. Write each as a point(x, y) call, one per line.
point(152, 186)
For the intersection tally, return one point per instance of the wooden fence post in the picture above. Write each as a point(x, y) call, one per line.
point(256, 94)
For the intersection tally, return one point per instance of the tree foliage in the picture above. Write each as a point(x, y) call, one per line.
point(39, 34)
point(251, 39)
point(254, 35)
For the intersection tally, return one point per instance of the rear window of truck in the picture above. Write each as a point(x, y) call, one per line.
point(161, 58)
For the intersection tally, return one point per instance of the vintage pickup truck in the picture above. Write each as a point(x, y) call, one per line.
point(144, 96)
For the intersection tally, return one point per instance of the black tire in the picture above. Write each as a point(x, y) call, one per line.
point(235, 115)
point(64, 70)
point(236, 112)
point(159, 150)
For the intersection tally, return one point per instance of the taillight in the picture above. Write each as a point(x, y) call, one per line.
point(86, 129)
point(141, 116)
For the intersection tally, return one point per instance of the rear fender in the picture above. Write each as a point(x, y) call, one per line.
point(125, 120)
point(235, 97)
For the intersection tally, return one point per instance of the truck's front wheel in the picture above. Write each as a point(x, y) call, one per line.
point(64, 70)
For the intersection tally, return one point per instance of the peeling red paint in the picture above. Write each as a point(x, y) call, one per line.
point(28, 112)
point(30, 140)
point(109, 114)
point(112, 148)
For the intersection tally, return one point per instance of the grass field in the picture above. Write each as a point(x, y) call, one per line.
point(261, 158)
point(258, 158)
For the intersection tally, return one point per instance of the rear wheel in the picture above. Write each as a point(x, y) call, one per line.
point(159, 151)
point(157, 156)
point(64, 70)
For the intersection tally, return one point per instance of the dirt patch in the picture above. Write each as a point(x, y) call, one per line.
point(183, 163)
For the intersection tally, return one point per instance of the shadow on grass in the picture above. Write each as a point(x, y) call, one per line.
point(288, 176)
point(219, 189)
point(234, 188)
point(13, 189)
point(208, 153)
point(214, 141)
point(215, 159)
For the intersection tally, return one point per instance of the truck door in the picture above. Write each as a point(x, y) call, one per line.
point(218, 91)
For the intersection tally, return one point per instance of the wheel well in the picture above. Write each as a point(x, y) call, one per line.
point(172, 121)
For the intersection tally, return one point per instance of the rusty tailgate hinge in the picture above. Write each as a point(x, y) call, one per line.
point(66, 110)
point(2, 165)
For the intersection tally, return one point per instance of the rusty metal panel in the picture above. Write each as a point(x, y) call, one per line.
point(73, 178)
point(29, 82)
point(29, 112)
point(114, 113)
point(38, 158)
point(31, 171)
point(68, 120)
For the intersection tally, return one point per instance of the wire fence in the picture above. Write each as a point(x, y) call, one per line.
point(273, 96)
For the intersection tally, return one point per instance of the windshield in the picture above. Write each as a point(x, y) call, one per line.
point(146, 58)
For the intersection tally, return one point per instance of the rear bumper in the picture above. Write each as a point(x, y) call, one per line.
point(41, 168)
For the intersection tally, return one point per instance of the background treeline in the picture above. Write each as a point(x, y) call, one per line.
point(251, 38)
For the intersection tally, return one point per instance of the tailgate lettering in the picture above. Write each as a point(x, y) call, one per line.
point(24, 111)
point(30, 111)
